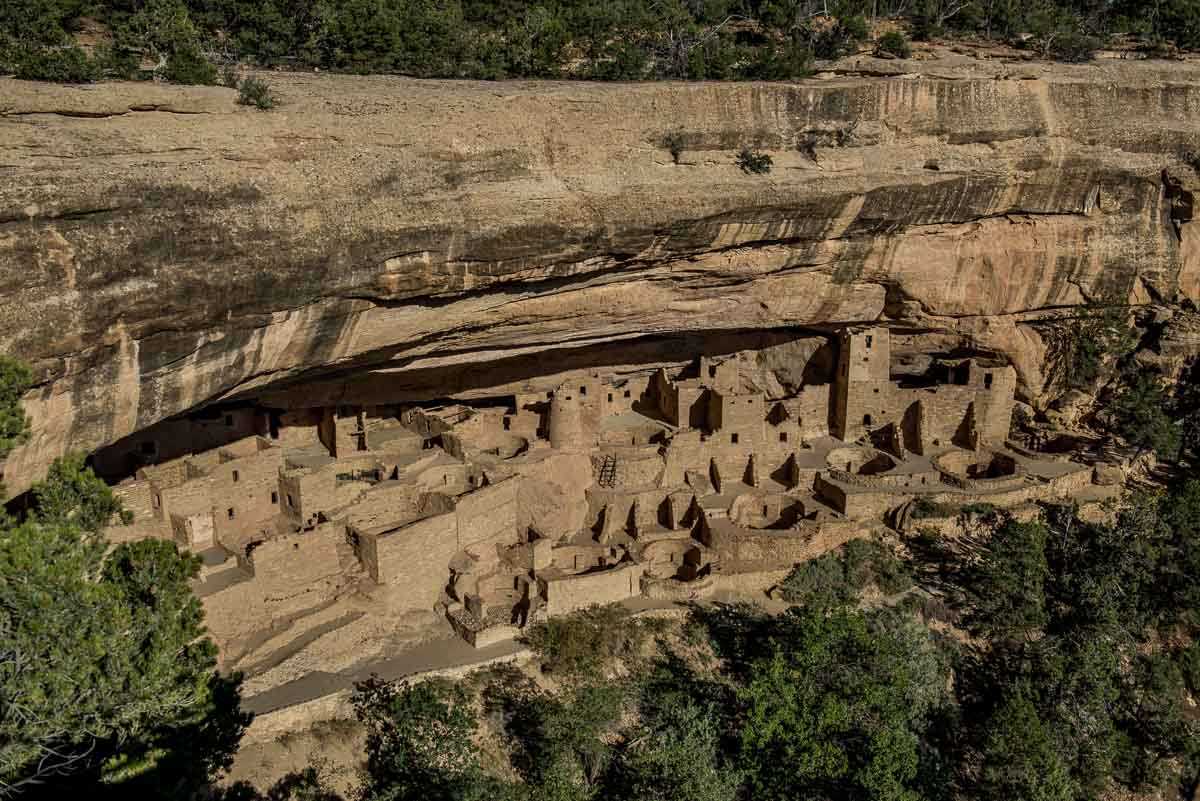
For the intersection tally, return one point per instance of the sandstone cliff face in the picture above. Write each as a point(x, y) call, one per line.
point(162, 247)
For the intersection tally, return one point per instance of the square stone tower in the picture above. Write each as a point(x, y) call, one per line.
point(862, 386)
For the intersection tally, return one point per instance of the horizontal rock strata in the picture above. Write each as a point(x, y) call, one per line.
point(163, 247)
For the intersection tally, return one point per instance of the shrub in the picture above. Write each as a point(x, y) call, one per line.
point(837, 579)
point(188, 66)
point(1073, 47)
point(582, 643)
point(59, 64)
point(753, 162)
point(924, 508)
point(257, 93)
point(674, 142)
point(894, 43)
point(840, 38)
point(15, 379)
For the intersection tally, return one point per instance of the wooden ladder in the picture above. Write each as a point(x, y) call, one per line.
point(608, 472)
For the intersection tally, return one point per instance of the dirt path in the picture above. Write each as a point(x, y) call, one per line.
point(445, 652)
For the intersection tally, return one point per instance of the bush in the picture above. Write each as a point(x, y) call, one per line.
point(840, 38)
point(838, 579)
point(1073, 47)
point(923, 508)
point(582, 643)
point(15, 380)
point(257, 93)
point(188, 66)
point(753, 162)
point(894, 43)
point(60, 64)
point(674, 142)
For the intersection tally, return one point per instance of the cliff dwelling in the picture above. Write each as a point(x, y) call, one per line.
point(492, 513)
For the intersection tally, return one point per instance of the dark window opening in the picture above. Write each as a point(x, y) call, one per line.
point(866, 419)
point(235, 476)
point(275, 497)
point(712, 371)
point(627, 393)
point(764, 511)
point(868, 340)
point(876, 390)
point(291, 503)
point(583, 390)
point(733, 438)
point(507, 423)
point(610, 397)
point(229, 512)
point(783, 436)
point(987, 380)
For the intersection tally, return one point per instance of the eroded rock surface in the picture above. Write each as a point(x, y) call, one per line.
point(162, 247)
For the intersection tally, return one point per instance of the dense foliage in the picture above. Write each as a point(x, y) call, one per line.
point(15, 379)
point(598, 39)
point(105, 677)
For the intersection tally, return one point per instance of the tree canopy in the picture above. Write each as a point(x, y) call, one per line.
point(105, 675)
point(594, 39)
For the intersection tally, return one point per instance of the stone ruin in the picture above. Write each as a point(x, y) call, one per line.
point(665, 485)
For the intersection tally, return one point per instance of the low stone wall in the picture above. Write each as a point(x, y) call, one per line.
point(676, 590)
point(954, 464)
point(568, 593)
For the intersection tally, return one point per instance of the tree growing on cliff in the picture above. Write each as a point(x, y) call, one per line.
point(15, 379)
point(1139, 413)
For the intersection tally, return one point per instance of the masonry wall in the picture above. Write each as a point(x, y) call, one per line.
point(303, 493)
point(188, 498)
point(993, 405)
point(736, 549)
point(286, 564)
point(193, 531)
point(811, 405)
point(487, 517)
point(737, 419)
point(567, 594)
point(245, 493)
point(416, 557)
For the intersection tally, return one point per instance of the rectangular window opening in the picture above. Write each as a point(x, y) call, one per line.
point(275, 497)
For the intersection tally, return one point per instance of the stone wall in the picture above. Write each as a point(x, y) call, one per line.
point(738, 549)
point(245, 493)
point(286, 564)
point(486, 518)
point(415, 556)
point(568, 593)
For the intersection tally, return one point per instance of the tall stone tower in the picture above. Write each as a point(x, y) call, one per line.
point(862, 389)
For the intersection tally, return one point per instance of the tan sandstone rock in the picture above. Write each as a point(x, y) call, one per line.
point(162, 247)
